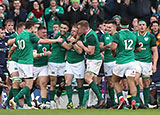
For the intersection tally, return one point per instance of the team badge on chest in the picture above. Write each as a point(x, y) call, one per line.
point(44, 49)
point(146, 38)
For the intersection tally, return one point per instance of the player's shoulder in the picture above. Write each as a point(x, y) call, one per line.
point(150, 34)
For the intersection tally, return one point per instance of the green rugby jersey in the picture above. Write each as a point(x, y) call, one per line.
point(126, 41)
point(58, 52)
point(24, 42)
point(14, 56)
point(41, 48)
point(73, 56)
point(146, 41)
point(91, 39)
point(107, 39)
point(53, 19)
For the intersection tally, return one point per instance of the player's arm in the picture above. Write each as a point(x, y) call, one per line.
point(11, 41)
point(39, 55)
point(114, 44)
point(66, 45)
point(154, 58)
point(50, 41)
point(78, 49)
point(89, 50)
point(137, 47)
point(104, 47)
point(113, 48)
point(13, 48)
point(155, 53)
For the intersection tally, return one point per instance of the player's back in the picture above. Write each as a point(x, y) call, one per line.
point(25, 46)
point(126, 46)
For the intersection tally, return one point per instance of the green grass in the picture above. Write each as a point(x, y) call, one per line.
point(80, 112)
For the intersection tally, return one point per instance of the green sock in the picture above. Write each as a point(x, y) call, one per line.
point(23, 91)
point(15, 91)
point(44, 100)
point(9, 96)
point(25, 101)
point(28, 98)
point(146, 94)
point(99, 89)
point(95, 89)
point(81, 95)
point(52, 94)
point(69, 92)
point(134, 98)
point(111, 94)
point(119, 95)
point(138, 94)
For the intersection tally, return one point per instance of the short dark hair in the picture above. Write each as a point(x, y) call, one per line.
point(20, 25)
point(124, 21)
point(65, 23)
point(30, 24)
point(154, 22)
point(41, 28)
point(7, 21)
point(112, 22)
point(105, 21)
point(83, 23)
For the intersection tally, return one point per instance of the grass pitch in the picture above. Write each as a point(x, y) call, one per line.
point(80, 112)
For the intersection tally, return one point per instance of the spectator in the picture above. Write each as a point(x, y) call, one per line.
point(53, 14)
point(134, 26)
point(18, 14)
point(155, 31)
point(96, 15)
point(2, 16)
point(36, 14)
point(74, 12)
point(110, 8)
point(152, 18)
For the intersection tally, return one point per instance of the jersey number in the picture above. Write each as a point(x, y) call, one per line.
point(21, 44)
point(128, 44)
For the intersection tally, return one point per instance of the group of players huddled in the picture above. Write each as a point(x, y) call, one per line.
point(79, 54)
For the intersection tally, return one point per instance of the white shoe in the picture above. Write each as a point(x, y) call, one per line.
point(13, 104)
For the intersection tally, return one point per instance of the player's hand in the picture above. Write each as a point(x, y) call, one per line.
point(48, 53)
point(31, 16)
point(59, 40)
point(9, 56)
point(68, 39)
point(80, 44)
point(154, 69)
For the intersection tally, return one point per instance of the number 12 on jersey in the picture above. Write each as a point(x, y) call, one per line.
point(128, 44)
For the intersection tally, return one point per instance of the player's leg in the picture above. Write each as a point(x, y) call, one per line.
point(68, 85)
point(108, 70)
point(125, 89)
point(111, 89)
point(133, 90)
point(26, 71)
point(130, 73)
point(118, 89)
point(137, 80)
point(147, 71)
point(43, 81)
point(52, 72)
point(80, 92)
